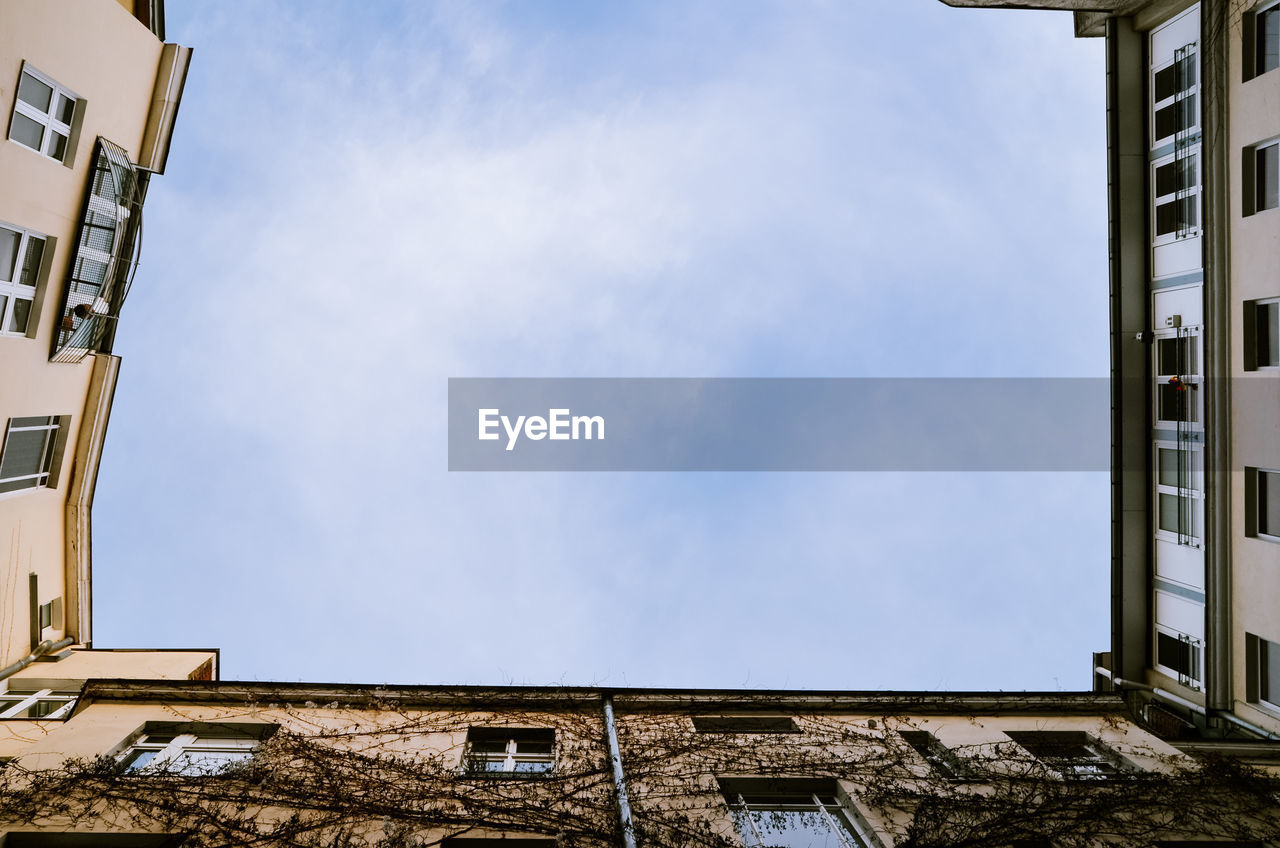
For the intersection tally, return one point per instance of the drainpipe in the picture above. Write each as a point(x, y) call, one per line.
point(619, 780)
point(45, 647)
point(1170, 698)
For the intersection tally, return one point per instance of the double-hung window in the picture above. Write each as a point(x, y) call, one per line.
point(793, 814)
point(199, 750)
point(44, 113)
point(21, 255)
point(1073, 754)
point(1176, 196)
point(1174, 88)
point(500, 750)
point(29, 456)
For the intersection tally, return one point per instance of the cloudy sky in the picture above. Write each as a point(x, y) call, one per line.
point(365, 200)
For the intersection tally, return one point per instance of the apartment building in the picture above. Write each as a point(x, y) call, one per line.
point(1193, 129)
point(191, 763)
point(89, 92)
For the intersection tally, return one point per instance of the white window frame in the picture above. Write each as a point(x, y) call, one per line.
point(167, 754)
point(511, 756)
point(1255, 152)
point(839, 818)
point(1100, 760)
point(1192, 495)
point(1258, 12)
point(940, 759)
point(1257, 504)
point(1190, 380)
point(45, 476)
point(1193, 680)
point(13, 290)
point(1193, 50)
point(27, 700)
point(1178, 195)
point(47, 120)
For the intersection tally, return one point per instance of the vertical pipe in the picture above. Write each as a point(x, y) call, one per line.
point(619, 779)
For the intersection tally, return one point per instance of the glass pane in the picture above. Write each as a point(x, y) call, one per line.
point(1269, 502)
point(8, 253)
point(1175, 176)
point(1172, 652)
point(57, 145)
point(1267, 333)
point(1176, 78)
point(21, 315)
point(26, 131)
point(1175, 357)
point(1268, 40)
point(1172, 518)
point(1177, 402)
point(531, 746)
point(783, 828)
point(31, 261)
point(31, 90)
point(4, 303)
point(1168, 462)
point(1176, 117)
point(1268, 177)
point(24, 453)
point(66, 109)
point(532, 766)
point(137, 759)
point(1176, 216)
point(207, 762)
point(1269, 659)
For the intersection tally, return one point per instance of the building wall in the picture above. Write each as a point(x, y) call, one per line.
point(102, 54)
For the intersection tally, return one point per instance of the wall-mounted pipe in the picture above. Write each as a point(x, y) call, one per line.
point(45, 647)
point(619, 779)
point(1168, 697)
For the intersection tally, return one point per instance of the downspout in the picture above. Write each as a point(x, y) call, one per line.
point(1178, 701)
point(619, 779)
point(45, 647)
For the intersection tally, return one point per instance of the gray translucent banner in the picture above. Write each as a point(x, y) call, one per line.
point(779, 424)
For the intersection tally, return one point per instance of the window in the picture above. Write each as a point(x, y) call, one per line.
point(1261, 334)
point(43, 115)
point(1261, 177)
point(21, 255)
point(1177, 376)
point(200, 749)
point(1073, 754)
point(1179, 654)
point(1178, 493)
point(494, 750)
point(1262, 667)
point(44, 703)
point(30, 453)
point(1262, 503)
point(1177, 196)
point(745, 724)
point(1262, 28)
point(940, 758)
point(1173, 95)
point(792, 814)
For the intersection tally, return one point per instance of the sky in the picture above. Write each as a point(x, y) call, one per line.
point(365, 200)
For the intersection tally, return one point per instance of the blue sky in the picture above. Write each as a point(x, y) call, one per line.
point(363, 203)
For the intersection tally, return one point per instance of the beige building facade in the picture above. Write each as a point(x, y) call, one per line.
point(89, 92)
point(1193, 118)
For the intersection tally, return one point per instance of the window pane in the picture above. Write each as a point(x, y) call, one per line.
point(66, 109)
point(1267, 334)
point(138, 759)
point(207, 762)
point(57, 146)
point(1173, 653)
point(1268, 39)
point(1177, 402)
point(1175, 176)
point(1176, 117)
point(1178, 515)
point(1267, 172)
point(1175, 216)
point(24, 453)
point(1269, 502)
point(1269, 659)
point(31, 90)
point(8, 253)
point(26, 131)
point(31, 261)
point(1176, 78)
point(21, 315)
point(1175, 357)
